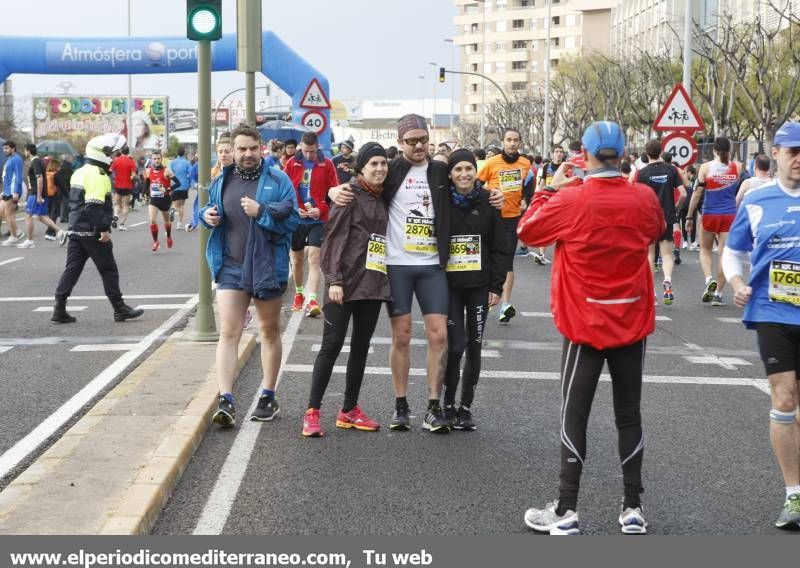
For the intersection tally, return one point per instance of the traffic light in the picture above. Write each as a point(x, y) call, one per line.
point(441, 74)
point(204, 19)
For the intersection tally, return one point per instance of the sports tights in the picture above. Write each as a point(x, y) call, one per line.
point(465, 322)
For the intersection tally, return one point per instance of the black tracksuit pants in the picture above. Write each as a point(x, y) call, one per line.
point(102, 254)
point(465, 323)
point(581, 367)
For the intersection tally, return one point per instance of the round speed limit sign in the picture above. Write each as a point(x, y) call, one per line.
point(682, 147)
point(315, 121)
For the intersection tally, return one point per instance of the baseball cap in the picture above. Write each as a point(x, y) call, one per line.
point(604, 139)
point(788, 135)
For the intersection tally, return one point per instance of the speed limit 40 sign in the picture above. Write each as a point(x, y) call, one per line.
point(315, 121)
point(682, 147)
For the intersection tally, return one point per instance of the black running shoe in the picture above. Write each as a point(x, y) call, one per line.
point(676, 253)
point(225, 414)
point(435, 421)
point(464, 420)
point(450, 414)
point(401, 419)
point(266, 409)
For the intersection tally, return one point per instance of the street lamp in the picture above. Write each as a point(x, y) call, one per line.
point(433, 112)
point(452, 87)
point(422, 77)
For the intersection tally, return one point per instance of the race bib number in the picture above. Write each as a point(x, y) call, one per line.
point(376, 253)
point(465, 253)
point(784, 282)
point(510, 180)
point(420, 235)
point(156, 190)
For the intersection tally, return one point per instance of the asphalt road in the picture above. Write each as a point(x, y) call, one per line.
point(45, 365)
point(708, 466)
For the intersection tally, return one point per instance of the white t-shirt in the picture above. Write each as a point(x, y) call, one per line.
point(411, 236)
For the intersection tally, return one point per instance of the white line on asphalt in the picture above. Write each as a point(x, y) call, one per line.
point(218, 507)
point(536, 314)
point(159, 306)
point(10, 260)
point(137, 224)
point(730, 320)
point(50, 308)
point(27, 445)
point(106, 347)
point(4, 348)
point(663, 318)
point(490, 353)
point(73, 298)
point(728, 363)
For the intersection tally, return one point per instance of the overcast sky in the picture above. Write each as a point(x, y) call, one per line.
point(366, 48)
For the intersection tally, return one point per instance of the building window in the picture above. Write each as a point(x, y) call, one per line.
point(518, 24)
point(500, 46)
point(519, 44)
point(527, 3)
point(556, 20)
point(487, 68)
point(519, 65)
point(500, 67)
point(501, 26)
point(533, 23)
point(474, 87)
point(572, 20)
point(473, 28)
point(519, 86)
point(473, 47)
point(501, 4)
point(474, 67)
point(474, 108)
point(535, 45)
point(556, 42)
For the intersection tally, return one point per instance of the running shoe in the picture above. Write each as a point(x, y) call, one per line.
point(49, 237)
point(312, 309)
point(708, 293)
point(546, 520)
point(169, 242)
point(311, 424)
point(676, 254)
point(790, 514)
point(464, 420)
point(435, 422)
point(266, 409)
point(122, 227)
point(156, 246)
point(171, 214)
point(297, 305)
point(684, 245)
point(401, 419)
point(356, 419)
point(180, 226)
point(521, 251)
point(450, 414)
point(543, 259)
point(669, 295)
point(717, 300)
point(631, 521)
point(538, 258)
point(225, 415)
point(12, 240)
point(506, 313)
point(26, 244)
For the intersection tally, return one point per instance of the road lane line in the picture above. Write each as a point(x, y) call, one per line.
point(47, 428)
point(105, 347)
point(73, 298)
point(50, 308)
point(220, 502)
point(4, 348)
point(159, 306)
point(730, 320)
point(10, 260)
point(137, 224)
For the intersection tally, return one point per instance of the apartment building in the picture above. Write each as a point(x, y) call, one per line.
point(507, 40)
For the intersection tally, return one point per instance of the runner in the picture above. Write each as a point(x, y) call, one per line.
point(507, 172)
point(545, 180)
point(664, 179)
point(12, 191)
point(181, 168)
point(354, 264)
point(602, 304)
point(345, 161)
point(159, 182)
point(768, 227)
point(124, 169)
point(252, 212)
point(312, 175)
point(476, 272)
point(36, 206)
point(760, 177)
point(717, 181)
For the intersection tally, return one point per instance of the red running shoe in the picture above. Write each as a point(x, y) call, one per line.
point(156, 246)
point(313, 309)
point(299, 300)
point(169, 242)
point(356, 419)
point(311, 425)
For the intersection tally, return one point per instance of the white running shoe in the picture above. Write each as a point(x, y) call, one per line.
point(546, 520)
point(10, 241)
point(49, 237)
point(26, 244)
point(631, 521)
point(122, 227)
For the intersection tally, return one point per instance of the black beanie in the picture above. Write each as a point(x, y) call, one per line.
point(461, 155)
point(367, 151)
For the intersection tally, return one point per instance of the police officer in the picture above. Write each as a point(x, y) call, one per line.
point(90, 218)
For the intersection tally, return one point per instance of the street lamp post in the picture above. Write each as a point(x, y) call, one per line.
point(687, 48)
point(452, 87)
point(130, 81)
point(433, 112)
point(422, 77)
point(547, 136)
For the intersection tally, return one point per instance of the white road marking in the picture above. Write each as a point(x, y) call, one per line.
point(663, 318)
point(73, 298)
point(536, 314)
point(10, 260)
point(159, 306)
point(106, 347)
point(345, 348)
point(730, 320)
point(491, 354)
point(728, 363)
point(137, 224)
point(218, 507)
point(27, 445)
point(4, 348)
point(50, 308)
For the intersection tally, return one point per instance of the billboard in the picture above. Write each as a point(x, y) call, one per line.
point(186, 119)
point(78, 118)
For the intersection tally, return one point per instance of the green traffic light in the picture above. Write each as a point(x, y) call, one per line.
point(204, 20)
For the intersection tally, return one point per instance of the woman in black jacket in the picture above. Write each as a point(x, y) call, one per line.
point(476, 270)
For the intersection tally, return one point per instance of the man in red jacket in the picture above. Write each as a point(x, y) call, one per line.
point(312, 175)
point(602, 302)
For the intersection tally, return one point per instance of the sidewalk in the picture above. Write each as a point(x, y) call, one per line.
point(113, 471)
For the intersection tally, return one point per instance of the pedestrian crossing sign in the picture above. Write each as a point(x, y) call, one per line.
point(314, 96)
point(679, 113)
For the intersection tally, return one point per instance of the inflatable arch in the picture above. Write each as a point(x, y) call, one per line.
point(307, 87)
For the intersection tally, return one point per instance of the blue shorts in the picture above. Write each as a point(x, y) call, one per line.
point(428, 282)
point(230, 278)
point(34, 208)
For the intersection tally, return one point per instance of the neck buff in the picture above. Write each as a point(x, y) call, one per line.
point(373, 190)
point(603, 172)
point(251, 174)
point(462, 200)
point(510, 158)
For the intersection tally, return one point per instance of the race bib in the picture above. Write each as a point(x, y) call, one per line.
point(420, 235)
point(784, 282)
point(465, 253)
point(510, 180)
point(156, 190)
point(376, 253)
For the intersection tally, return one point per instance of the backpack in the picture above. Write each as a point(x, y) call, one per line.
point(52, 188)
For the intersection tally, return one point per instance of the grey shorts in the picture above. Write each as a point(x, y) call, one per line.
point(428, 282)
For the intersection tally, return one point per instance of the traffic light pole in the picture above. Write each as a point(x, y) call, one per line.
point(204, 326)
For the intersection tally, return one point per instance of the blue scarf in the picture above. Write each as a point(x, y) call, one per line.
point(465, 201)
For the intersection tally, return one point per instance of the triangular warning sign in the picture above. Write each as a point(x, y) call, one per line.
point(679, 113)
point(314, 96)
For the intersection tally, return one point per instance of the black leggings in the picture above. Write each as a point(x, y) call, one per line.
point(463, 335)
point(365, 316)
point(580, 371)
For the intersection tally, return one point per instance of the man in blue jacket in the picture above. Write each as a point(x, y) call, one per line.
point(12, 191)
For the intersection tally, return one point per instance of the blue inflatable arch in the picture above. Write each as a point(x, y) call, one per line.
point(110, 56)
